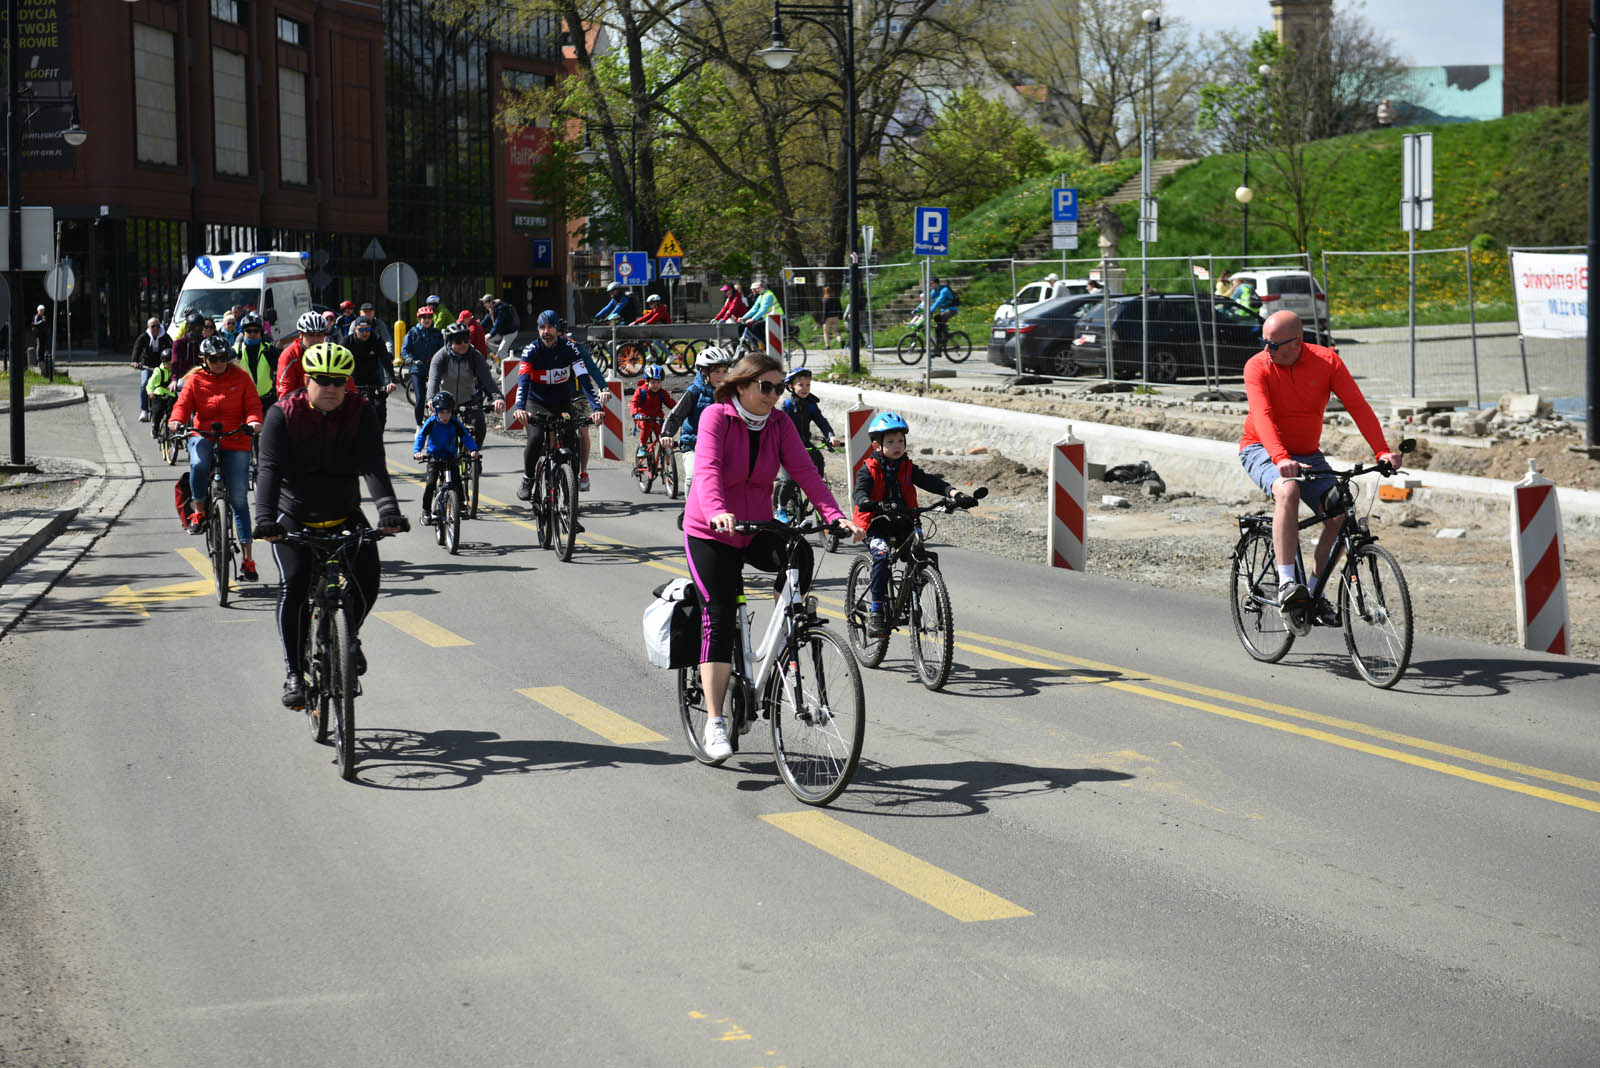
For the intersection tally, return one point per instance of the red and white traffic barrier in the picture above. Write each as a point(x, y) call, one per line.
point(611, 429)
point(775, 336)
point(1538, 555)
point(1069, 489)
point(508, 386)
point(856, 441)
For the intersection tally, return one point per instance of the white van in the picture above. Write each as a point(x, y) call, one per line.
point(1288, 289)
point(272, 284)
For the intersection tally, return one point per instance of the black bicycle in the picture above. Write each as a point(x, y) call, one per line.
point(222, 541)
point(554, 496)
point(1374, 604)
point(449, 489)
point(330, 662)
point(170, 442)
point(377, 398)
point(953, 345)
point(918, 598)
point(789, 500)
point(472, 416)
point(654, 457)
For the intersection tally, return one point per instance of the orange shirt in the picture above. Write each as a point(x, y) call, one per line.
point(1287, 403)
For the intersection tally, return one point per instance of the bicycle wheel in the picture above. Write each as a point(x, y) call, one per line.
point(933, 632)
point(669, 472)
point(168, 452)
point(692, 712)
point(857, 607)
point(630, 358)
point(217, 541)
point(477, 478)
point(314, 676)
point(1376, 606)
point(410, 390)
point(644, 468)
point(794, 353)
point(342, 653)
point(819, 716)
point(564, 510)
point(1254, 593)
point(450, 519)
point(910, 348)
point(683, 354)
point(958, 346)
point(539, 501)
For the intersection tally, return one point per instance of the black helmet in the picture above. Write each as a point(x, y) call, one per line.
point(216, 345)
point(251, 321)
point(442, 400)
point(457, 332)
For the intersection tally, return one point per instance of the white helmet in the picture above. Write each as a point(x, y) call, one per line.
point(311, 323)
point(715, 356)
point(654, 298)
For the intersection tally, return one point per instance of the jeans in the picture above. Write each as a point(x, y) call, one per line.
point(235, 475)
point(144, 380)
point(883, 538)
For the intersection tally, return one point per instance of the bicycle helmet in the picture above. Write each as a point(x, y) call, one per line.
point(885, 423)
point(328, 358)
point(789, 378)
point(655, 370)
point(311, 323)
point(715, 356)
point(613, 287)
point(216, 345)
point(433, 300)
point(192, 319)
point(443, 400)
point(251, 321)
point(457, 332)
point(654, 298)
point(548, 317)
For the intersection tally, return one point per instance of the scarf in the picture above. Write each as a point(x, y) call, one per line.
point(754, 422)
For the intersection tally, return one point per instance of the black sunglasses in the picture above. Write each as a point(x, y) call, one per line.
point(1274, 346)
point(768, 388)
point(330, 380)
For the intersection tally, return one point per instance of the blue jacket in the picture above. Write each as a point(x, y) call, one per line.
point(504, 320)
point(944, 299)
point(805, 413)
point(550, 375)
point(420, 343)
point(441, 439)
point(696, 398)
point(621, 308)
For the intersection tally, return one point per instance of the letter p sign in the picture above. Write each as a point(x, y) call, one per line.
point(931, 232)
point(1064, 205)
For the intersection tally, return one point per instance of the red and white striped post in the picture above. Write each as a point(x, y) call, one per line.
point(775, 337)
point(856, 442)
point(508, 385)
point(611, 429)
point(1069, 487)
point(1538, 555)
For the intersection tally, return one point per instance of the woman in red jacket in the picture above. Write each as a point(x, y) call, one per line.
point(733, 307)
point(220, 392)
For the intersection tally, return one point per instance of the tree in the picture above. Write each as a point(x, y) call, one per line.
point(974, 149)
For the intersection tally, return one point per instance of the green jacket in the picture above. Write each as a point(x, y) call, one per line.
point(161, 381)
point(263, 369)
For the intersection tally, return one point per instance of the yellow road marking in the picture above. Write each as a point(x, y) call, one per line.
point(420, 629)
point(197, 560)
point(946, 892)
point(585, 713)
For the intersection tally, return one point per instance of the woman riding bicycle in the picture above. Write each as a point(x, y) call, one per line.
point(222, 393)
point(740, 448)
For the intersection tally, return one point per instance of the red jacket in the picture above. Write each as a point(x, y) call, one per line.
point(650, 404)
point(732, 309)
point(229, 398)
point(479, 339)
point(873, 466)
point(657, 316)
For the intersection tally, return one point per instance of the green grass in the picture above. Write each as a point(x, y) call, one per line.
point(33, 378)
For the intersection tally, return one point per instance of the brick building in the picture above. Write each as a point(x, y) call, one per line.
point(1546, 53)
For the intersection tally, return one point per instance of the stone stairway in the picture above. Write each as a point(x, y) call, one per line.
point(899, 309)
point(1038, 247)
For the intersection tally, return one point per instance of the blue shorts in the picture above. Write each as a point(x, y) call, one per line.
point(1263, 472)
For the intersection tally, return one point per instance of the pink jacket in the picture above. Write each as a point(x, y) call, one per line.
point(724, 482)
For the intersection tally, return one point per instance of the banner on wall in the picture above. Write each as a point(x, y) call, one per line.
point(1552, 294)
point(524, 149)
point(45, 48)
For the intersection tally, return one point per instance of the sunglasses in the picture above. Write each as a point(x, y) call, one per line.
point(330, 380)
point(768, 387)
point(1274, 346)
point(252, 330)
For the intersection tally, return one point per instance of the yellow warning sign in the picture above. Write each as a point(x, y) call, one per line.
point(669, 246)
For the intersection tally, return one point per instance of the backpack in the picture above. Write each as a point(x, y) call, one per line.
point(672, 625)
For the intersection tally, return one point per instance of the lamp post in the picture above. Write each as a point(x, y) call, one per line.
point(1244, 194)
point(1147, 214)
point(779, 55)
point(588, 155)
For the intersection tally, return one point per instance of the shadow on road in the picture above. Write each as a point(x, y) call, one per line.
point(959, 788)
point(1488, 677)
point(393, 759)
point(997, 682)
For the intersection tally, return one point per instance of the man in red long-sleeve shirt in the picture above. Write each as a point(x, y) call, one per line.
point(1288, 384)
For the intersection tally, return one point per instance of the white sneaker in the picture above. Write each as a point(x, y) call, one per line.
point(144, 417)
point(717, 746)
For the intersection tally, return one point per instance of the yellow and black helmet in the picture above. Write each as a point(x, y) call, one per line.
point(328, 358)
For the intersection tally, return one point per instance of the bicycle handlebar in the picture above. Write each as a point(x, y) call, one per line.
point(216, 433)
point(947, 505)
point(797, 532)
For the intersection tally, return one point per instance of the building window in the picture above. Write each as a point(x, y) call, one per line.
point(293, 155)
point(226, 10)
point(155, 98)
point(230, 104)
point(291, 32)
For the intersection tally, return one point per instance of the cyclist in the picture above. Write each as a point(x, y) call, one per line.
point(765, 303)
point(186, 350)
point(422, 342)
point(548, 380)
point(475, 334)
point(312, 329)
point(620, 309)
point(740, 450)
point(346, 318)
point(1287, 384)
point(220, 393)
point(803, 408)
point(944, 305)
point(888, 479)
point(711, 368)
point(649, 405)
point(315, 442)
point(733, 307)
point(503, 324)
point(150, 350)
point(369, 312)
point(372, 367)
point(161, 393)
point(460, 370)
point(441, 435)
point(258, 358)
point(655, 312)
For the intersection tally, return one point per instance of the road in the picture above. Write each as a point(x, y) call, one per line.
point(1113, 839)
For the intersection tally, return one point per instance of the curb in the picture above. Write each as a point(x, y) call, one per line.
point(41, 529)
point(43, 398)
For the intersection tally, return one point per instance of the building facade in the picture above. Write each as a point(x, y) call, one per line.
point(1546, 53)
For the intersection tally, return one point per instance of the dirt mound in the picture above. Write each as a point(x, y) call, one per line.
point(1004, 476)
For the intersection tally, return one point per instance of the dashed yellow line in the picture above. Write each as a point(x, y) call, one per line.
point(611, 726)
point(425, 632)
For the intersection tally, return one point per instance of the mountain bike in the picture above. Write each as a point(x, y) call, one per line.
point(953, 345)
point(802, 679)
point(448, 499)
point(554, 496)
point(330, 663)
point(170, 442)
point(222, 541)
point(655, 458)
point(472, 415)
point(1374, 604)
point(918, 598)
point(789, 499)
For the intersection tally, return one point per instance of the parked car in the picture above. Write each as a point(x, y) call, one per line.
point(1033, 294)
point(1182, 329)
point(1044, 336)
point(1281, 288)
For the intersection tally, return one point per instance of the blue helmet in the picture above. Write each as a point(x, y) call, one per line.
point(886, 422)
point(789, 378)
point(548, 317)
point(655, 370)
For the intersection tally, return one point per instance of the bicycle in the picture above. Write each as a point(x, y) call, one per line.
point(655, 458)
point(788, 498)
point(794, 351)
point(953, 345)
point(170, 442)
point(808, 685)
point(918, 598)
point(472, 415)
point(222, 542)
point(448, 498)
point(329, 662)
point(554, 495)
point(377, 398)
point(1374, 603)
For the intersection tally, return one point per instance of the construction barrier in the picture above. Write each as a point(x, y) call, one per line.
point(856, 442)
point(775, 337)
point(508, 386)
point(1069, 488)
point(611, 429)
point(1538, 556)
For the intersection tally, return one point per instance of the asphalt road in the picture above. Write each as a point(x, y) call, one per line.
point(1113, 839)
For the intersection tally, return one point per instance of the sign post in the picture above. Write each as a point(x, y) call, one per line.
point(1416, 213)
point(930, 231)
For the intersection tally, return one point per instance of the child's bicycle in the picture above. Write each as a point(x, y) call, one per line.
point(788, 500)
point(449, 498)
point(802, 679)
point(1374, 605)
point(655, 458)
point(918, 598)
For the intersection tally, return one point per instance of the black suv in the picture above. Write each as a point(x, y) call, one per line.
point(1044, 336)
point(1190, 336)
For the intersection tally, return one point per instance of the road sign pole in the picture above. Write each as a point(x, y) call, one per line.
point(927, 321)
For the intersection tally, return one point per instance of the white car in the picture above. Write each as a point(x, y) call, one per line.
point(1285, 288)
point(1036, 293)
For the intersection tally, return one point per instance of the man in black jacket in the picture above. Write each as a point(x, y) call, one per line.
point(150, 351)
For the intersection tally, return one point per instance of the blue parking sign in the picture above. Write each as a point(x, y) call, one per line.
point(1064, 205)
point(930, 231)
point(543, 252)
point(631, 268)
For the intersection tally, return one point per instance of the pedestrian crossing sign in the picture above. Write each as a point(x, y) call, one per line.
point(669, 267)
point(669, 247)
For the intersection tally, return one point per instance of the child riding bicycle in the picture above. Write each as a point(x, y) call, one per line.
point(649, 406)
point(441, 435)
point(803, 408)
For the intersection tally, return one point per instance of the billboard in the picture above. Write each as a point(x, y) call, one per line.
point(1552, 294)
point(46, 52)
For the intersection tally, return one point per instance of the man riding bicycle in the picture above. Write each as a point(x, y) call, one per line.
point(765, 304)
point(460, 370)
point(943, 304)
point(421, 343)
point(220, 393)
point(1288, 384)
point(620, 309)
point(371, 375)
point(547, 385)
point(258, 357)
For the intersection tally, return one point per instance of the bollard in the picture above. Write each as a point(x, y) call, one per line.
point(856, 442)
point(399, 343)
point(1069, 487)
point(1537, 556)
point(775, 337)
point(611, 429)
point(508, 386)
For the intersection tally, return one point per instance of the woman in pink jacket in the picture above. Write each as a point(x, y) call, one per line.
point(736, 460)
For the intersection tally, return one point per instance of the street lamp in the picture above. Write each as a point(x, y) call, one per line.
point(777, 56)
point(1244, 194)
point(588, 154)
point(1147, 201)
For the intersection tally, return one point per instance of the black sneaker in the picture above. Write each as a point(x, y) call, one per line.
point(294, 692)
point(1323, 614)
point(876, 627)
point(525, 491)
point(361, 659)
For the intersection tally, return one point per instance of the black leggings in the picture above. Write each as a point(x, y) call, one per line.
point(296, 568)
point(718, 570)
point(538, 416)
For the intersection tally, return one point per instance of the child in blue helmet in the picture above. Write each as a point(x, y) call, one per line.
point(441, 435)
point(888, 479)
